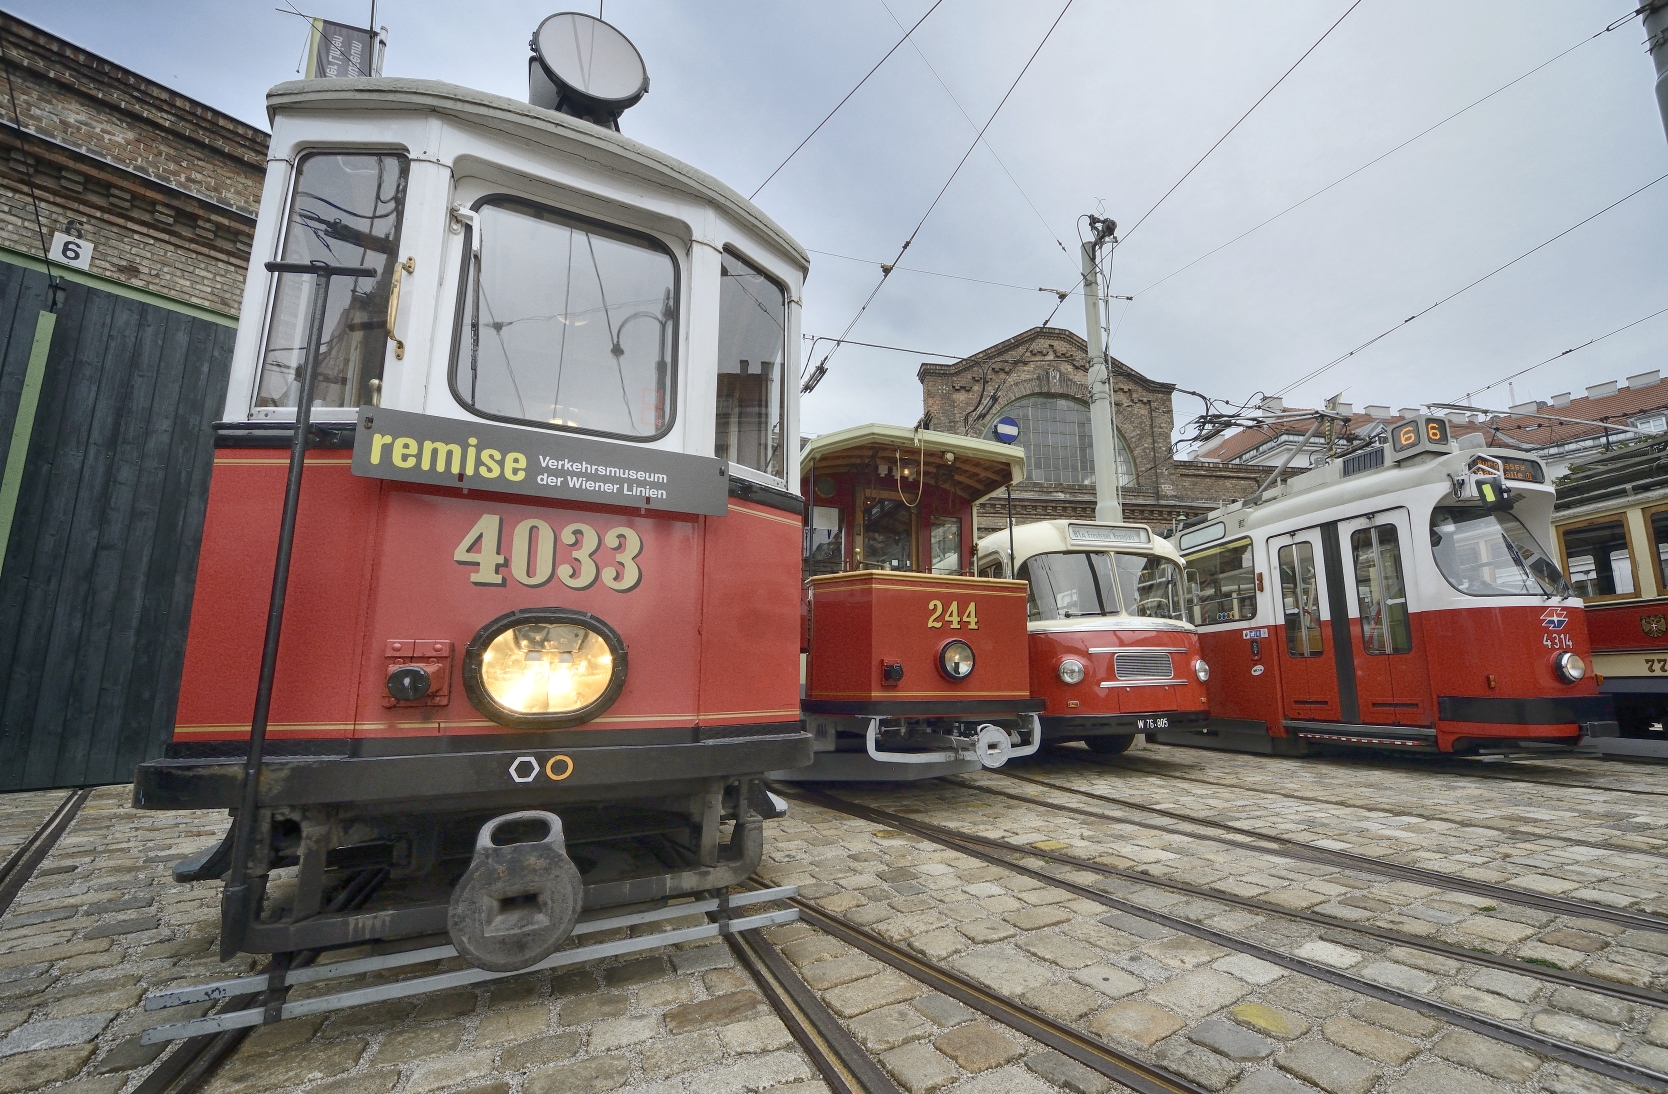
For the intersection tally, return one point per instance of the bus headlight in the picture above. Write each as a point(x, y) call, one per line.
point(1569, 667)
point(544, 668)
point(1071, 671)
point(1201, 670)
point(955, 660)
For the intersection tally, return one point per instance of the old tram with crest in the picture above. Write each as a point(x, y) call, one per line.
point(539, 645)
point(1112, 653)
point(1402, 597)
point(914, 666)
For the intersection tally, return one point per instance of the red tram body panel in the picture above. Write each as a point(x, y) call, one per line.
point(1403, 603)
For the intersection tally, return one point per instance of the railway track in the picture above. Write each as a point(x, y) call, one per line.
point(1007, 856)
point(1298, 850)
point(1515, 833)
point(21, 865)
point(1453, 767)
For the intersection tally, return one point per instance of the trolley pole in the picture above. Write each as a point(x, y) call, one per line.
point(1656, 38)
point(1103, 411)
point(237, 900)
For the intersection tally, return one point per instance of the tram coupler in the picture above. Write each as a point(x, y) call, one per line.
point(517, 902)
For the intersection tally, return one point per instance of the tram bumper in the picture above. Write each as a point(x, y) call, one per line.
point(1549, 719)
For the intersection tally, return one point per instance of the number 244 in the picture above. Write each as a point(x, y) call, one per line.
point(938, 615)
point(533, 554)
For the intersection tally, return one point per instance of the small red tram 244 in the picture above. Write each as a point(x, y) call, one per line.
point(1402, 597)
point(546, 557)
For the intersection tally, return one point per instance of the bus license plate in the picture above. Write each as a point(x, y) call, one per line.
point(1152, 723)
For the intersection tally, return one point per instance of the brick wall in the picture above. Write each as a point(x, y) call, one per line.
point(165, 188)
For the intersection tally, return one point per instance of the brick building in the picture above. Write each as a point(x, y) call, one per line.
point(164, 188)
point(1041, 379)
point(110, 382)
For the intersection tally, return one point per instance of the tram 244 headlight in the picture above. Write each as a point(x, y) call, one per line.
point(1071, 671)
point(544, 668)
point(1569, 667)
point(955, 659)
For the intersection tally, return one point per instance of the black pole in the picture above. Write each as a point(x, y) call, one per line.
point(1013, 563)
point(235, 900)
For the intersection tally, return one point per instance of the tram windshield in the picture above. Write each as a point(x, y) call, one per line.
point(1485, 552)
point(1075, 584)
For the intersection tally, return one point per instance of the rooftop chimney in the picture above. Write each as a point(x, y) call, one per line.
point(1561, 400)
point(1602, 391)
point(1274, 404)
point(1409, 412)
point(1376, 411)
point(1525, 408)
point(1644, 379)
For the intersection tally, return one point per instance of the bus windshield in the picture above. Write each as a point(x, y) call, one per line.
point(1073, 584)
point(1484, 552)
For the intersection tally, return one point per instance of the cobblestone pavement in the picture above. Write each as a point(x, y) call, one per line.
point(22, 814)
point(102, 923)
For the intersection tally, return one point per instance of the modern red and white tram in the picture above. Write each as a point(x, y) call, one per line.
point(1403, 597)
point(1112, 653)
point(547, 538)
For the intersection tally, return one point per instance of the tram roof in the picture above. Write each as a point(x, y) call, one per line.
point(1051, 536)
point(552, 130)
point(980, 468)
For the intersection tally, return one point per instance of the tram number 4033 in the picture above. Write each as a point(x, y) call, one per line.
point(532, 556)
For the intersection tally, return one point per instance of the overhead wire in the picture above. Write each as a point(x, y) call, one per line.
point(940, 273)
point(1375, 160)
point(842, 102)
point(1558, 356)
point(1242, 118)
point(988, 148)
point(816, 375)
point(1315, 373)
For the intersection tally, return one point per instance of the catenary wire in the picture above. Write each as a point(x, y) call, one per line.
point(1557, 356)
point(1376, 159)
point(842, 102)
point(941, 273)
point(897, 349)
point(886, 271)
point(988, 148)
point(1315, 373)
point(1242, 118)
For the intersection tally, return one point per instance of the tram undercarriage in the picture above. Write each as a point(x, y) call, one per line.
point(852, 748)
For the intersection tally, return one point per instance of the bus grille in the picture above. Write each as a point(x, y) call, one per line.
point(1142, 665)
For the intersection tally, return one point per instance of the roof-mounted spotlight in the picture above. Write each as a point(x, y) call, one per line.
point(586, 68)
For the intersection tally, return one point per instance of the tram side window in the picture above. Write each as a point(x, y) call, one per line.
point(946, 545)
point(1599, 564)
point(568, 324)
point(1381, 590)
point(346, 212)
point(1300, 595)
point(1151, 587)
point(1223, 584)
point(825, 545)
point(1659, 536)
point(887, 527)
point(752, 324)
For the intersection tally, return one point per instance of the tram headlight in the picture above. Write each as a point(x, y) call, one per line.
point(955, 659)
point(1071, 671)
point(1569, 667)
point(544, 668)
point(1201, 669)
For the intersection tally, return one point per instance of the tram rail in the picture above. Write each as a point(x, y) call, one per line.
point(1111, 762)
point(1297, 849)
point(998, 852)
point(22, 863)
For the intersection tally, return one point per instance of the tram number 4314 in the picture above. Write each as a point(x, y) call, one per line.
point(1557, 641)
point(532, 555)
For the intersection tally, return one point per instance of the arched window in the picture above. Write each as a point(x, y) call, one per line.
point(1054, 431)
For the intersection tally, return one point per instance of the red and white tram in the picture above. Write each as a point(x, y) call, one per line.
point(1111, 651)
point(1402, 597)
point(546, 550)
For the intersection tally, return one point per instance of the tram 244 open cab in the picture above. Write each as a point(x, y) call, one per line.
point(547, 548)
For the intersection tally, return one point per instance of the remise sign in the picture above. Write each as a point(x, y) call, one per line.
point(406, 447)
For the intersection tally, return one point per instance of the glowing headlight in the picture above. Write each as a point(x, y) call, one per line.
point(1071, 671)
point(1201, 670)
point(1569, 667)
point(955, 660)
point(544, 668)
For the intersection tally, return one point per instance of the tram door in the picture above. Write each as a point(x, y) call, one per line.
point(1308, 675)
point(1391, 681)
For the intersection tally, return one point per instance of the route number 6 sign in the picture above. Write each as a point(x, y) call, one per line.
point(67, 250)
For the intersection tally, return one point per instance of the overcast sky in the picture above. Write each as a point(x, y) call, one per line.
point(1123, 98)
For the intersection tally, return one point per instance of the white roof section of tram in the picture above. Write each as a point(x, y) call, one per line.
point(994, 464)
point(1050, 536)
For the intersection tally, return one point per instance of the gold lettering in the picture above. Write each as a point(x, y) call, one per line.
point(485, 558)
point(514, 462)
point(405, 452)
point(441, 450)
point(469, 460)
point(626, 545)
point(489, 463)
point(530, 565)
point(583, 539)
point(377, 443)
